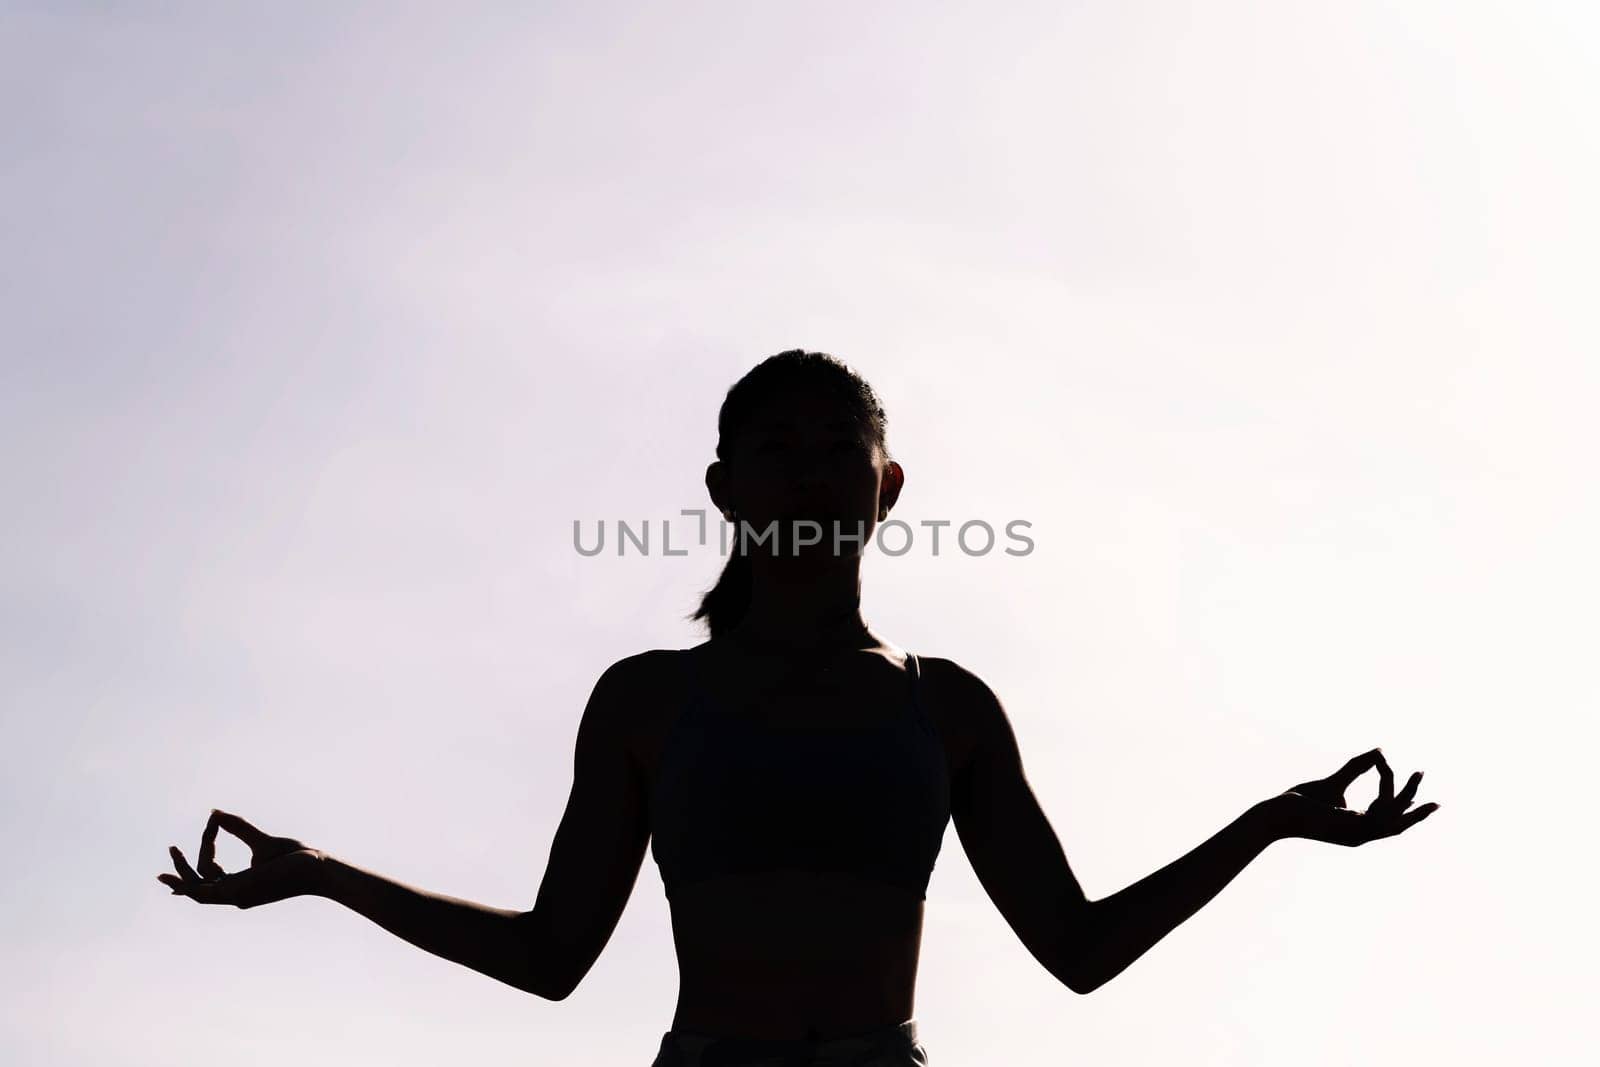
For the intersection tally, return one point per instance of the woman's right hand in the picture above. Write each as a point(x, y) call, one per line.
point(280, 867)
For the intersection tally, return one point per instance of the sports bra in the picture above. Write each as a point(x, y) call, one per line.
point(736, 796)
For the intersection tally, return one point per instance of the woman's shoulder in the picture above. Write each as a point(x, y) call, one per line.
point(644, 672)
point(962, 705)
point(637, 697)
point(957, 682)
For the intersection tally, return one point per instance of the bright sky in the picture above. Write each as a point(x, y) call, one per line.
point(1275, 319)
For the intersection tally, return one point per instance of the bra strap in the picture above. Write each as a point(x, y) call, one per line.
point(925, 723)
point(915, 668)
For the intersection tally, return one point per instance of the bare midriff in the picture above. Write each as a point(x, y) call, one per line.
point(794, 954)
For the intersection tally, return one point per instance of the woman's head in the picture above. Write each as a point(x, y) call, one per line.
point(801, 436)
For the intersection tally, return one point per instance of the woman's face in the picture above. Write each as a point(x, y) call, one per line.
point(803, 458)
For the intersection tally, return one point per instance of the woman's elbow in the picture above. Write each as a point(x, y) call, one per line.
point(547, 984)
point(1082, 984)
point(1075, 979)
point(1074, 963)
point(552, 991)
point(545, 972)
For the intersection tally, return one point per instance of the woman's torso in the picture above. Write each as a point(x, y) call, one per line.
point(795, 953)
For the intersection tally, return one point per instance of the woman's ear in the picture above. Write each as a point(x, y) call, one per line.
point(894, 480)
point(717, 485)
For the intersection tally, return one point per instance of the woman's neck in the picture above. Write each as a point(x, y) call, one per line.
point(822, 609)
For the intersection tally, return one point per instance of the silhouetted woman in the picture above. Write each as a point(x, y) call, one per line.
point(793, 776)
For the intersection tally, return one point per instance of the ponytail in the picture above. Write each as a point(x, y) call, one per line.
point(724, 604)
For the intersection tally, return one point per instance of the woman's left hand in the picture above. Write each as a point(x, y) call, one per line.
point(1316, 811)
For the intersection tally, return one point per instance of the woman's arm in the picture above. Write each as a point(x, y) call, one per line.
point(492, 941)
point(595, 858)
point(1018, 858)
point(1084, 944)
point(594, 862)
point(1120, 928)
point(1116, 930)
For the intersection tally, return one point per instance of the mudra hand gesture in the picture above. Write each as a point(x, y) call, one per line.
point(1316, 809)
point(280, 867)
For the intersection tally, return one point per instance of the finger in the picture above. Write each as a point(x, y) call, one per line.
point(1354, 768)
point(206, 861)
point(172, 882)
point(1385, 783)
point(1404, 798)
point(240, 828)
point(1411, 818)
point(190, 878)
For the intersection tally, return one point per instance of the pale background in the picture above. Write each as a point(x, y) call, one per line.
point(322, 323)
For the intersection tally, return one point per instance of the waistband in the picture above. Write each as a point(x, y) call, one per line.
point(707, 1050)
